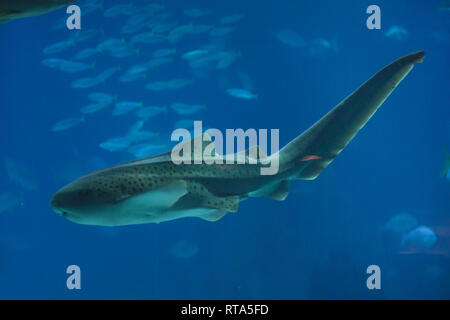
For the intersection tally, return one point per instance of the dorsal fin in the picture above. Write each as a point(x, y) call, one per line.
point(256, 152)
point(204, 140)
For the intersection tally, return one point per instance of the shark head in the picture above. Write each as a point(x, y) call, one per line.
point(87, 200)
point(120, 195)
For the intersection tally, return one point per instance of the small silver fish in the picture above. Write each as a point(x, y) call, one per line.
point(145, 149)
point(232, 18)
point(194, 54)
point(162, 27)
point(158, 85)
point(59, 47)
point(75, 67)
point(147, 37)
point(196, 12)
point(84, 35)
point(116, 144)
point(118, 9)
point(200, 28)
point(221, 31)
point(53, 62)
point(111, 44)
point(138, 68)
point(179, 32)
point(130, 77)
point(241, 93)
point(85, 53)
point(131, 28)
point(154, 63)
point(101, 98)
point(179, 83)
point(108, 73)
point(184, 124)
point(124, 52)
point(186, 109)
point(86, 83)
point(226, 59)
point(150, 111)
point(124, 107)
point(66, 124)
point(290, 38)
point(163, 53)
point(144, 135)
point(92, 108)
point(397, 32)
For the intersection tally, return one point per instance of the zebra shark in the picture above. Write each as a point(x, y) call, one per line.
point(156, 189)
point(14, 9)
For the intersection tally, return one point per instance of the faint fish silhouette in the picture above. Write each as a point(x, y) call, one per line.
point(19, 174)
point(184, 249)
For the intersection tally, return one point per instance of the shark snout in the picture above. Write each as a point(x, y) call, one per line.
point(66, 204)
point(67, 200)
point(57, 204)
point(80, 202)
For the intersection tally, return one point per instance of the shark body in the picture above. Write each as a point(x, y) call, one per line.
point(156, 189)
point(14, 9)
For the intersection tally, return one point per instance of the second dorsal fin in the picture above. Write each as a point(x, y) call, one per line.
point(254, 153)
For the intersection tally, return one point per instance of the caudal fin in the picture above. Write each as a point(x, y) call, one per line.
point(314, 150)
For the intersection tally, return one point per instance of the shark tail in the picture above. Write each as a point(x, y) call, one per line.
point(317, 147)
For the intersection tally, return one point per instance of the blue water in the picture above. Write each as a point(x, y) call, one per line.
point(318, 243)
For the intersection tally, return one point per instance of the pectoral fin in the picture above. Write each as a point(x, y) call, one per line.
point(281, 192)
point(162, 197)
